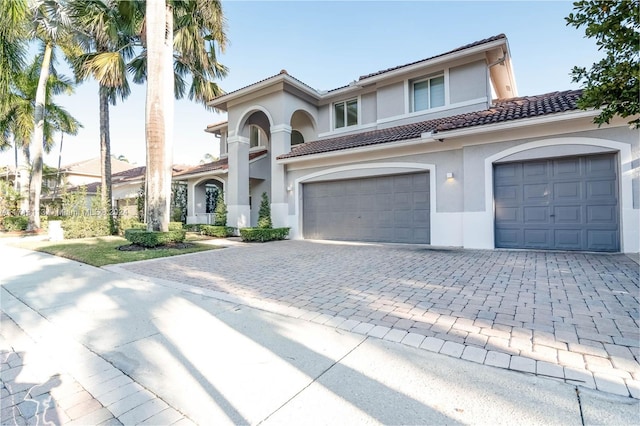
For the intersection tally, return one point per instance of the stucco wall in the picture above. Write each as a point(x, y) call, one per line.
point(468, 82)
point(390, 100)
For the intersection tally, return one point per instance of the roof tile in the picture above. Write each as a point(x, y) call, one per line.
point(502, 110)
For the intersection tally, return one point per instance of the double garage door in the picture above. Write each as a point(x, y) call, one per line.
point(382, 209)
point(564, 204)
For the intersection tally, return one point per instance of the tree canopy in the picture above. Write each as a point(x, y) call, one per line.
point(611, 84)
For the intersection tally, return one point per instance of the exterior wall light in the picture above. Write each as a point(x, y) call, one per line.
point(449, 175)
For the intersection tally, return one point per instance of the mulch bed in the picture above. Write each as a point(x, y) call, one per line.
point(136, 247)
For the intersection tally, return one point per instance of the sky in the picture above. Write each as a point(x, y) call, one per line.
point(327, 44)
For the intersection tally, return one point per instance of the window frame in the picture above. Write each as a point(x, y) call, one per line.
point(428, 79)
point(345, 117)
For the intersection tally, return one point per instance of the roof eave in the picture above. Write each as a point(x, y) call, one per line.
point(221, 101)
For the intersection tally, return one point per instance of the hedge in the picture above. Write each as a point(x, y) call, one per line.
point(152, 238)
point(263, 234)
point(15, 223)
point(85, 227)
point(21, 223)
point(216, 231)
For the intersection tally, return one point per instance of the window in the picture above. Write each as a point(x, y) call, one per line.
point(296, 138)
point(257, 137)
point(345, 113)
point(428, 93)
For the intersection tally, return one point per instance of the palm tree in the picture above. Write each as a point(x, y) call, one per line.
point(108, 43)
point(13, 42)
point(16, 119)
point(52, 27)
point(182, 36)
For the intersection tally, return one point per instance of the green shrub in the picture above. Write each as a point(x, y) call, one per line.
point(154, 239)
point(85, 226)
point(192, 227)
point(15, 223)
point(216, 231)
point(129, 222)
point(263, 234)
point(264, 215)
point(175, 226)
point(220, 211)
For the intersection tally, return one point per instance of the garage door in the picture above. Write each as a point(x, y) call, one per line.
point(384, 209)
point(564, 204)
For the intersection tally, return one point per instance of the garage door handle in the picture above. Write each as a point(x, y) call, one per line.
point(552, 215)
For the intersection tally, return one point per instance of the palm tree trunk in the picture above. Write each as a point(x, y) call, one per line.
point(35, 183)
point(159, 37)
point(105, 156)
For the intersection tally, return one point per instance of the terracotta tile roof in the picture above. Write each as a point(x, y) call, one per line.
point(466, 46)
point(502, 110)
point(282, 72)
point(127, 175)
point(92, 166)
point(221, 164)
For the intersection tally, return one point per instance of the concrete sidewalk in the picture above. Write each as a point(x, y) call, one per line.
point(83, 345)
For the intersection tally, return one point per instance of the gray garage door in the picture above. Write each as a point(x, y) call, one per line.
point(385, 209)
point(564, 204)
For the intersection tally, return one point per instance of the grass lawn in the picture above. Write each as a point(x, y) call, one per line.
point(102, 251)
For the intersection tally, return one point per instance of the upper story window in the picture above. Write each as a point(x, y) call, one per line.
point(345, 113)
point(428, 93)
point(257, 137)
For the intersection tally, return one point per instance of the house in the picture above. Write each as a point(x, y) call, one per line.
point(125, 188)
point(441, 151)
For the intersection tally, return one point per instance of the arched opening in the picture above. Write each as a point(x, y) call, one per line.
point(206, 196)
point(256, 128)
point(302, 127)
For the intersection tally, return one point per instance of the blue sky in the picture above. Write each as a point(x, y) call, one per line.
point(327, 44)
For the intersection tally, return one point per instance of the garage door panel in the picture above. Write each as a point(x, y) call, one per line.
point(538, 192)
point(568, 239)
point(599, 240)
point(568, 191)
point(386, 208)
point(534, 170)
point(567, 214)
point(603, 215)
point(601, 189)
point(601, 166)
point(508, 193)
point(537, 238)
point(508, 214)
point(567, 168)
point(568, 203)
point(538, 215)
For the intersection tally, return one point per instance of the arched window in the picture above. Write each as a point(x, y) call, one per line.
point(296, 138)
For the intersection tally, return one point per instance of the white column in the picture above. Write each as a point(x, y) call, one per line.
point(237, 189)
point(280, 144)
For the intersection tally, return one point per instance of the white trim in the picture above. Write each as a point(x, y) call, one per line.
point(237, 139)
point(417, 167)
point(426, 112)
point(629, 217)
point(213, 177)
point(332, 123)
point(444, 74)
point(247, 113)
point(342, 130)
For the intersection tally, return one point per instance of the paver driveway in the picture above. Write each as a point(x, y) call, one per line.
point(568, 315)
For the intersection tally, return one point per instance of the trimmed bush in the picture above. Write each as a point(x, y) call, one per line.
point(15, 223)
point(264, 215)
point(192, 227)
point(85, 226)
point(216, 231)
point(153, 239)
point(129, 222)
point(175, 226)
point(263, 234)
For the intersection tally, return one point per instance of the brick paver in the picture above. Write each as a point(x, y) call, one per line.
point(578, 311)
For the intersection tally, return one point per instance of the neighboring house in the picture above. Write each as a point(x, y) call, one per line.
point(440, 151)
point(126, 186)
